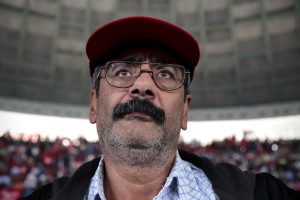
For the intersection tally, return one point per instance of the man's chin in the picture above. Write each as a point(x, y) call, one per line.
point(138, 156)
point(138, 152)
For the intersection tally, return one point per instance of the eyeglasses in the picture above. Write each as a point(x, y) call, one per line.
point(122, 74)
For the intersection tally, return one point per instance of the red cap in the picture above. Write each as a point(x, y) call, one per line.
point(139, 28)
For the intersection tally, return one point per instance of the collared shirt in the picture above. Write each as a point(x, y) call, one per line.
point(185, 181)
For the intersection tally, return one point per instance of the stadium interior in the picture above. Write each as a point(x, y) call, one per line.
point(249, 69)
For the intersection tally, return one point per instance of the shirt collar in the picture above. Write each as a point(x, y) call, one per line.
point(97, 187)
point(181, 181)
point(177, 179)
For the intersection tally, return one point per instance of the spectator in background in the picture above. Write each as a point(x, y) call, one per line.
point(31, 181)
point(141, 69)
point(24, 162)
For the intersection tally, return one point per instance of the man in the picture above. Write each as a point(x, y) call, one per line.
point(141, 69)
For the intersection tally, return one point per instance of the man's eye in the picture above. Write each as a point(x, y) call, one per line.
point(165, 74)
point(123, 73)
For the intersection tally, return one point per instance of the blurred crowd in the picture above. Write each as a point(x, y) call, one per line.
point(280, 158)
point(31, 161)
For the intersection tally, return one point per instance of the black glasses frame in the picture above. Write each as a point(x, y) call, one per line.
point(185, 75)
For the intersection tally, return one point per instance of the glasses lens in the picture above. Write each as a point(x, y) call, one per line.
point(169, 77)
point(121, 74)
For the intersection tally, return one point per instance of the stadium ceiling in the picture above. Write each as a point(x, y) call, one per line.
point(250, 62)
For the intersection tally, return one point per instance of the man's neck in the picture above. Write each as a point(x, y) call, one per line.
point(127, 182)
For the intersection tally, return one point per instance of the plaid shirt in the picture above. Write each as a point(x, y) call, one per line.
point(185, 181)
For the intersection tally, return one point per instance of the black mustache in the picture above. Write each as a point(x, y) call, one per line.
point(142, 106)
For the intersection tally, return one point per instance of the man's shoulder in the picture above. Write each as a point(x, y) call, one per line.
point(44, 192)
point(229, 182)
point(269, 187)
point(66, 186)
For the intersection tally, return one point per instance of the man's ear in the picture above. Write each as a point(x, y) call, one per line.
point(93, 107)
point(186, 111)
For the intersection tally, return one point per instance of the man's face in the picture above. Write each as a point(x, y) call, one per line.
point(138, 138)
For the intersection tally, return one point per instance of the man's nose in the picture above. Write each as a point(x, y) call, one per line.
point(144, 85)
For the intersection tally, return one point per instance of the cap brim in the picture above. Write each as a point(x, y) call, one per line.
point(139, 28)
